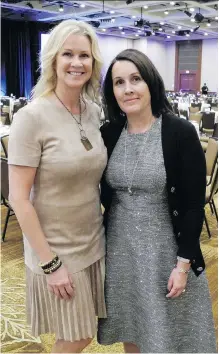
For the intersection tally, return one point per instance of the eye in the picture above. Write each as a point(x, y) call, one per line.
point(136, 78)
point(68, 54)
point(119, 82)
point(85, 55)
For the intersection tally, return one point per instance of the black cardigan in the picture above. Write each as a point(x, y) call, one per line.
point(185, 166)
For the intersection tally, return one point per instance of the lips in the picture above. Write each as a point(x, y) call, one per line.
point(131, 99)
point(75, 73)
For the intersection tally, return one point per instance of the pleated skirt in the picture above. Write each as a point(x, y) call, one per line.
point(70, 320)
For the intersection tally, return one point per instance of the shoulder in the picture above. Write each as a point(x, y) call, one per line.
point(173, 123)
point(93, 111)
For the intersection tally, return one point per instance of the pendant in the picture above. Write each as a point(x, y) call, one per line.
point(87, 144)
point(130, 191)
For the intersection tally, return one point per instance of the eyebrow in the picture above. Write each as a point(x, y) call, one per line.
point(71, 50)
point(119, 77)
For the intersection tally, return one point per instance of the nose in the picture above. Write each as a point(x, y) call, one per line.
point(76, 61)
point(128, 89)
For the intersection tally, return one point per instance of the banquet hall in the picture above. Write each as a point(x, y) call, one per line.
point(181, 40)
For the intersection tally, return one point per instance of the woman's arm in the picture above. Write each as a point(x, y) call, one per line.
point(21, 179)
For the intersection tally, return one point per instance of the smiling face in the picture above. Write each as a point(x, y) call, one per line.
point(130, 90)
point(74, 62)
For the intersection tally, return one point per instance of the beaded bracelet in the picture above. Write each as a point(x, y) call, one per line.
point(181, 270)
point(53, 268)
point(50, 263)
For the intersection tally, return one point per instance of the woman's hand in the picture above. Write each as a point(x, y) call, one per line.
point(176, 284)
point(60, 283)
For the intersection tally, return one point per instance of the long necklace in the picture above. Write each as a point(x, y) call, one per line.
point(85, 141)
point(129, 184)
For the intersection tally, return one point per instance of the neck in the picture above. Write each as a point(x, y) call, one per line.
point(69, 97)
point(140, 123)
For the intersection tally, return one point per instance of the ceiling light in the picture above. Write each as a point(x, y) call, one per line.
point(112, 12)
point(179, 27)
point(172, 2)
point(168, 36)
point(113, 19)
point(209, 23)
point(173, 31)
point(162, 23)
point(192, 30)
point(153, 33)
point(145, 7)
point(82, 5)
point(120, 27)
point(139, 31)
point(206, 34)
point(192, 9)
point(166, 12)
point(192, 20)
point(104, 29)
point(136, 35)
point(134, 16)
point(187, 35)
point(216, 18)
point(196, 28)
point(122, 32)
point(160, 29)
point(198, 17)
point(61, 9)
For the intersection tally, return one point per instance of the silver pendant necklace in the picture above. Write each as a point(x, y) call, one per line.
point(85, 141)
point(129, 184)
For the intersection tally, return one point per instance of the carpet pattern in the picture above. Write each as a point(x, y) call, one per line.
point(15, 335)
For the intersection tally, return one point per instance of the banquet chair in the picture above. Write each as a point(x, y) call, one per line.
point(207, 122)
point(4, 145)
point(5, 193)
point(196, 116)
point(196, 105)
point(211, 156)
point(211, 190)
point(194, 109)
point(184, 113)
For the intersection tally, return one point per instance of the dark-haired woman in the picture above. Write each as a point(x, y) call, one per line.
point(153, 191)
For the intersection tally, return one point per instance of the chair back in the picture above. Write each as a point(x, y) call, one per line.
point(4, 179)
point(194, 109)
point(214, 184)
point(196, 116)
point(215, 133)
point(211, 156)
point(184, 113)
point(196, 105)
point(208, 120)
point(4, 144)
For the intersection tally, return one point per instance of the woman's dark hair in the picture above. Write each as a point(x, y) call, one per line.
point(148, 72)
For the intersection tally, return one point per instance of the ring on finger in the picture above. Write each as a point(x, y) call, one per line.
point(183, 291)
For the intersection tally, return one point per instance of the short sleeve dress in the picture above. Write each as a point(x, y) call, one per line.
point(66, 198)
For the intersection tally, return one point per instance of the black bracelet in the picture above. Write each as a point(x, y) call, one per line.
point(53, 269)
point(49, 264)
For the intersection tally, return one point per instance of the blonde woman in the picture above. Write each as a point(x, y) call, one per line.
point(56, 160)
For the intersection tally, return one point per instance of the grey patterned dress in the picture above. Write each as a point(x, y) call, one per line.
point(141, 253)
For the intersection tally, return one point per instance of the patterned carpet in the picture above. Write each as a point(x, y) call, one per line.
point(15, 336)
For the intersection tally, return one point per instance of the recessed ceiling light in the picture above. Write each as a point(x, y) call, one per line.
point(61, 8)
point(172, 2)
point(192, 20)
point(134, 16)
point(192, 30)
point(123, 32)
point(153, 33)
point(104, 29)
point(139, 31)
point(173, 31)
point(145, 7)
point(179, 27)
point(168, 36)
point(112, 12)
point(120, 27)
point(216, 18)
point(187, 35)
point(192, 9)
point(206, 34)
point(113, 19)
point(166, 12)
point(161, 23)
point(82, 5)
point(136, 35)
point(160, 29)
point(209, 23)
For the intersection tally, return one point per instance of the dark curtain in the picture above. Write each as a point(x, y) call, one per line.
point(19, 60)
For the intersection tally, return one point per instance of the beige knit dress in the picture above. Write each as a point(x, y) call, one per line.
point(65, 196)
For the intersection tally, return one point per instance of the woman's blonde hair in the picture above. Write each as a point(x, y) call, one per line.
point(58, 35)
